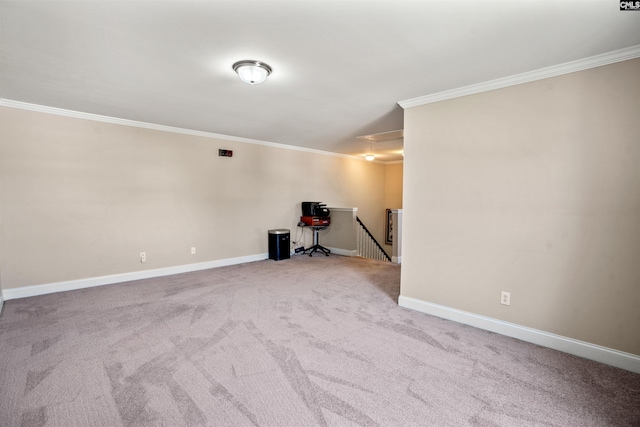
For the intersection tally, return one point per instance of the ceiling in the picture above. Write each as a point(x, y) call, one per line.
point(339, 67)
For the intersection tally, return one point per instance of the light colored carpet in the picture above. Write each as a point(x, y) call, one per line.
point(299, 342)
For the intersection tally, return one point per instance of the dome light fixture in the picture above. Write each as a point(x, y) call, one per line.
point(252, 72)
point(369, 157)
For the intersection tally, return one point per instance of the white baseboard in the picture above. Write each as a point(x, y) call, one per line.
point(49, 288)
point(619, 359)
point(343, 252)
point(396, 259)
point(1, 302)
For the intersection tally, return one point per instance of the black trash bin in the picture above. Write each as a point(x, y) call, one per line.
point(279, 246)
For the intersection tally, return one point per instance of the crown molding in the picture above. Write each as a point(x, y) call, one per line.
point(125, 122)
point(542, 73)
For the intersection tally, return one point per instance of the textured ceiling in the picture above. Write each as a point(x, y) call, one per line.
point(339, 67)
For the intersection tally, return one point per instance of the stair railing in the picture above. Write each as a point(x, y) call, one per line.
point(367, 245)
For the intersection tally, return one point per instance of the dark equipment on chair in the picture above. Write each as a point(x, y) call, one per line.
point(316, 216)
point(315, 209)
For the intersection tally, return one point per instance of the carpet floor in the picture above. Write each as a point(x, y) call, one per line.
point(310, 341)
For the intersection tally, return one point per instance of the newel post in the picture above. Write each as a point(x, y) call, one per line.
point(396, 236)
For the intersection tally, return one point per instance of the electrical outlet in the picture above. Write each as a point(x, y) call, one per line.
point(143, 257)
point(505, 298)
point(193, 250)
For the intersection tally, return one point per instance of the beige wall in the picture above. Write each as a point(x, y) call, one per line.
point(393, 185)
point(392, 193)
point(1, 220)
point(342, 232)
point(82, 198)
point(532, 189)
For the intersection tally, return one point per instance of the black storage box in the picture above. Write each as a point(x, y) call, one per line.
point(279, 246)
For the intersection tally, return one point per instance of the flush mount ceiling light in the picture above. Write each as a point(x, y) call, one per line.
point(252, 72)
point(386, 137)
point(370, 156)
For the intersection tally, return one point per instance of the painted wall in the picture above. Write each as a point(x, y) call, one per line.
point(1, 220)
point(392, 193)
point(342, 232)
point(83, 198)
point(532, 189)
point(393, 185)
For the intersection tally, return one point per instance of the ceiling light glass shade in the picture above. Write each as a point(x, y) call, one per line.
point(369, 157)
point(252, 72)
